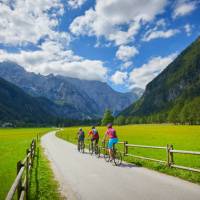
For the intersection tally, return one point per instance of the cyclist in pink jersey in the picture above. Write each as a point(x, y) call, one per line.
point(111, 134)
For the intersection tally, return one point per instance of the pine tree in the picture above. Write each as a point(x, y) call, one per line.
point(107, 118)
point(120, 120)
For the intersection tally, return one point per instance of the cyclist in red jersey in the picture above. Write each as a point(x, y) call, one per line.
point(111, 134)
point(94, 135)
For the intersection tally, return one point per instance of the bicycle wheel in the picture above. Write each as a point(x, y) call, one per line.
point(78, 147)
point(82, 147)
point(97, 152)
point(117, 158)
point(106, 155)
point(90, 148)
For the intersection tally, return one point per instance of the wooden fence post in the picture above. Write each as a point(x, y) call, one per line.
point(125, 148)
point(27, 173)
point(104, 146)
point(34, 147)
point(168, 155)
point(19, 187)
point(31, 156)
point(171, 155)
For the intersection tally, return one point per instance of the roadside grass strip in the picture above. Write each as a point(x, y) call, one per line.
point(13, 145)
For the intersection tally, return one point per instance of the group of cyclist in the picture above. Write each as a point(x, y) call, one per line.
point(93, 134)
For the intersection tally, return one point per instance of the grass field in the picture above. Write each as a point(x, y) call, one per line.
point(13, 145)
point(182, 137)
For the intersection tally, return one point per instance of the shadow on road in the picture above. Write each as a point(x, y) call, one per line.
point(128, 165)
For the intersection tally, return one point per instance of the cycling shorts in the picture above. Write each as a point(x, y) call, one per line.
point(111, 142)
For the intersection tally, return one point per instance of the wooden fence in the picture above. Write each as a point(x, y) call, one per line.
point(169, 154)
point(21, 183)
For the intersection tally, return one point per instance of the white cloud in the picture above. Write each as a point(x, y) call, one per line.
point(184, 7)
point(125, 53)
point(188, 29)
point(23, 22)
point(75, 3)
point(141, 76)
point(161, 23)
point(119, 77)
point(53, 58)
point(124, 37)
point(159, 34)
point(108, 17)
point(127, 64)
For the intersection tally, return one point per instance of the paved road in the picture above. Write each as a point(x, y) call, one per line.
point(85, 177)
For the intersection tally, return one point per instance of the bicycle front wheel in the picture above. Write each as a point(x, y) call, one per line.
point(118, 158)
point(106, 156)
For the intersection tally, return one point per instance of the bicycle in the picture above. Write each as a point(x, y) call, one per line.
point(94, 148)
point(81, 146)
point(117, 156)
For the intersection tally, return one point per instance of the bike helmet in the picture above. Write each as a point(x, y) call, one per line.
point(80, 129)
point(93, 127)
point(109, 125)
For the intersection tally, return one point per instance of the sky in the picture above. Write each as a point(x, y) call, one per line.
point(125, 43)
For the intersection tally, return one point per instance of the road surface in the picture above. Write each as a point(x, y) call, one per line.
point(82, 176)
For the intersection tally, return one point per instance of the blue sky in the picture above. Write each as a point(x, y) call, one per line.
point(125, 43)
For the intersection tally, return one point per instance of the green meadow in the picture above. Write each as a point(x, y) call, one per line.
point(13, 145)
point(181, 137)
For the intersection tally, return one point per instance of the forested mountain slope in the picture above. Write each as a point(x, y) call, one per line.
point(175, 93)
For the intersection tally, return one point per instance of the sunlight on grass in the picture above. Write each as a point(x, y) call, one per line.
point(182, 137)
point(13, 145)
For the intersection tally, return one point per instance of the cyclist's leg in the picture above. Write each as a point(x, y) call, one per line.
point(96, 141)
point(110, 146)
point(96, 145)
point(112, 142)
point(92, 144)
point(79, 144)
point(82, 144)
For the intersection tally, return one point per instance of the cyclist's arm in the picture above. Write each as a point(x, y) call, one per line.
point(105, 137)
point(88, 135)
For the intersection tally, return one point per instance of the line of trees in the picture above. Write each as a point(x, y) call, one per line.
point(187, 113)
point(181, 113)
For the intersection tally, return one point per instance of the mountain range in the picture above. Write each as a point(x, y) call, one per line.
point(174, 90)
point(68, 97)
point(16, 105)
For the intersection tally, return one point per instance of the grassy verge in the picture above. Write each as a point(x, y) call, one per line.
point(182, 137)
point(43, 185)
point(13, 145)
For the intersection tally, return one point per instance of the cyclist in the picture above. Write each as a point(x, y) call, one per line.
point(81, 137)
point(111, 134)
point(93, 133)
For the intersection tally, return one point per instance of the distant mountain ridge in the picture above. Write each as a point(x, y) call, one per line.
point(87, 99)
point(175, 88)
point(16, 105)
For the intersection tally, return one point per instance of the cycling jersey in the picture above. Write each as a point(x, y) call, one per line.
point(111, 133)
point(94, 133)
point(81, 135)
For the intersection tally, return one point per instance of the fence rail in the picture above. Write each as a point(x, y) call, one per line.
point(170, 151)
point(21, 182)
point(169, 155)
